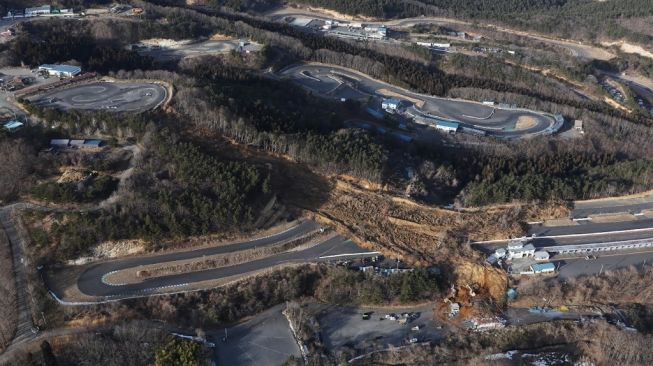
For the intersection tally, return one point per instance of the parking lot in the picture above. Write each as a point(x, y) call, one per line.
point(183, 49)
point(15, 78)
point(575, 267)
point(265, 340)
point(347, 327)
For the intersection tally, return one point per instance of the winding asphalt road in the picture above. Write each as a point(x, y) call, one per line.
point(91, 282)
point(337, 82)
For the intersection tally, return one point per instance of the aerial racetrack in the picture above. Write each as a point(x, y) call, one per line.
point(491, 120)
point(95, 282)
point(110, 96)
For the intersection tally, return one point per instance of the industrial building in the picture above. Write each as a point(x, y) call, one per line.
point(376, 31)
point(355, 30)
point(40, 10)
point(61, 70)
point(447, 126)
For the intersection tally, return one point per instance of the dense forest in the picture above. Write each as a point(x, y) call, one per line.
point(55, 41)
point(179, 191)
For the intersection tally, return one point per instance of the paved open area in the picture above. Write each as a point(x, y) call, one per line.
point(109, 96)
point(265, 340)
point(576, 267)
point(91, 281)
point(338, 83)
point(632, 205)
point(345, 327)
point(192, 49)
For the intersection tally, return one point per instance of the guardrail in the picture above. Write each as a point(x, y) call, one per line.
point(42, 88)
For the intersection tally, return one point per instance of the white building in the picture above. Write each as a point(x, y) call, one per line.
point(436, 45)
point(454, 309)
point(541, 255)
point(447, 126)
point(391, 104)
point(61, 70)
point(578, 126)
point(32, 12)
point(518, 248)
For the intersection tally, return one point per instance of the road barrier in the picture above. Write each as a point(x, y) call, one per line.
point(58, 84)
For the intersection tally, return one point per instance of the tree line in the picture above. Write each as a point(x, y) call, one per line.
point(179, 191)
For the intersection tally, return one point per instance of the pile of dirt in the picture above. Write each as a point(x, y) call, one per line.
point(489, 279)
point(72, 174)
point(525, 122)
point(220, 37)
point(120, 248)
point(548, 211)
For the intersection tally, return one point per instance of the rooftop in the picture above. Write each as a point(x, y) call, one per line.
point(448, 124)
point(61, 68)
point(538, 267)
point(12, 125)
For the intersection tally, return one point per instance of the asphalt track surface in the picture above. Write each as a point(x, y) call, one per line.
point(113, 97)
point(91, 283)
point(633, 205)
point(336, 82)
point(591, 233)
point(634, 208)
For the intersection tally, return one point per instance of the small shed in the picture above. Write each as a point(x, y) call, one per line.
point(578, 126)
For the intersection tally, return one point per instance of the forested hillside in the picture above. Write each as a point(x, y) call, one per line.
point(571, 18)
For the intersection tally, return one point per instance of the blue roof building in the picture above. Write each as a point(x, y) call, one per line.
point(447, 126)
point(543, 267)
point(93, 143)
point(13, 126)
